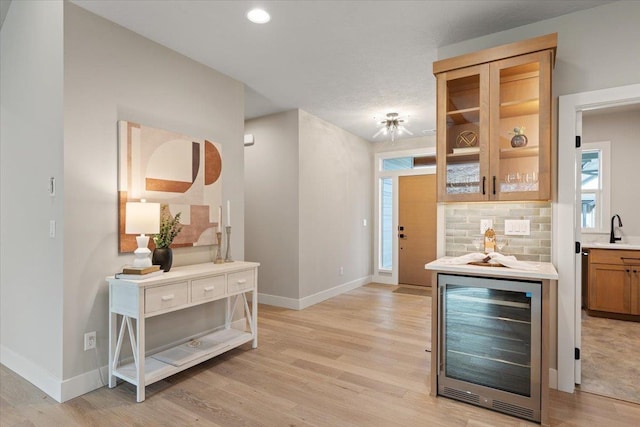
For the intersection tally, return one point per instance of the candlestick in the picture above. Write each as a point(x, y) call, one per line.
point(218, 259)
point(228, 258)
point(219, 227)
point(229, 213)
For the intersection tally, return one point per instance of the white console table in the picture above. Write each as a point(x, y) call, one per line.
point(180, 288)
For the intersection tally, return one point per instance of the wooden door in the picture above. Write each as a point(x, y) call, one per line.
point(416, 228)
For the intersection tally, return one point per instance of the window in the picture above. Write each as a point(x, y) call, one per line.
point(409, 162)
point(386, 223)
point(594, 184)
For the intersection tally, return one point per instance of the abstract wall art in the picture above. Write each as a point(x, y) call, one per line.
point(181, 172)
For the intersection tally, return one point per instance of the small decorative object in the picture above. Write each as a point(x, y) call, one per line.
point(519, 138)
point(467, 138)
point(218, 259)
point(228, 258)
point(169, 229)
point(489, 241)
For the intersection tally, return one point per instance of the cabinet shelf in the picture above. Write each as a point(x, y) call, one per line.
point(467, 115)
point(519, 108)
point(519, 152)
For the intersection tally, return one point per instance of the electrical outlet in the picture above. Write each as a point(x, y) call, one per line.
point(485, 224)
point(89, 340)
point(341, 271)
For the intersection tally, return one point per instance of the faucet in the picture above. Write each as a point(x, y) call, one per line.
point(613, 238)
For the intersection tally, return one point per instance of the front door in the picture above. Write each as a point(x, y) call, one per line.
point(416, 228)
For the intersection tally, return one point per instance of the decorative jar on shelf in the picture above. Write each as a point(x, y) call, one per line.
point(519, 138)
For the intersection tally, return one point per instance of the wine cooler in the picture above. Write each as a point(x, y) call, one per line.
point(489, 334)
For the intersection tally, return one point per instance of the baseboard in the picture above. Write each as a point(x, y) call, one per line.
point(385, 279)
point(31, 372)
point(84, 383)
point(299, 304)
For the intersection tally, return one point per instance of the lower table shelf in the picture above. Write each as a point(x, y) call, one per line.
point(175, 359)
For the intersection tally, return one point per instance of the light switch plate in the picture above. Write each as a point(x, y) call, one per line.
point(517, 227)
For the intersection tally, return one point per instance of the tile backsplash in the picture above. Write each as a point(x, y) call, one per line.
point(462, 223)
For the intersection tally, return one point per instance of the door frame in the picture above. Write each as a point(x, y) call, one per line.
point(570, 108)
point(390, 277)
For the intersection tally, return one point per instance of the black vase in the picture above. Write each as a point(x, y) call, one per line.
point(162, 257)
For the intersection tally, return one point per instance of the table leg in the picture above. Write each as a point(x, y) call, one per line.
point(140, 340)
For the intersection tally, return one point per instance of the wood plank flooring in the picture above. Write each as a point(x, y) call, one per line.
point(358, 359)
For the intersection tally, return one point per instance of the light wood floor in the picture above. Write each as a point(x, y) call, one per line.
point(358, 359)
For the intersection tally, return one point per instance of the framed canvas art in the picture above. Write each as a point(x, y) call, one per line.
point(178, 171)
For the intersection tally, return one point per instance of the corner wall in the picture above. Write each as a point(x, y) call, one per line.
point(31, 136)
point(271, 197)
point(309, 188)
point(336, 196)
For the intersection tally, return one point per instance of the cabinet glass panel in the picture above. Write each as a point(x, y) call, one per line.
point(519, 128)
point(488, 338)
point(463, 130)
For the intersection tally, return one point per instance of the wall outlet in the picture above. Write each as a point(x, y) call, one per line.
point(341, 271)
point(517, 227)
point(485, 224)
point(89, 340)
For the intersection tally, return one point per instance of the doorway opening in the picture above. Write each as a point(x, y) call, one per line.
point(390, 168)
point(567, 237)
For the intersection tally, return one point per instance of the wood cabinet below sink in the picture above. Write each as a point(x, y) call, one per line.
point(614, 283)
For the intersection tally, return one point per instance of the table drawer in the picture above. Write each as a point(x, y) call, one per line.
point(241, 281)
point(207, 288)
point(164, 297)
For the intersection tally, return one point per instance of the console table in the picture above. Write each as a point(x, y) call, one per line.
point(180, 288)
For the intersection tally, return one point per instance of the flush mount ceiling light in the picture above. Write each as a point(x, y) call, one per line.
point(392, 125)
point(258, 16)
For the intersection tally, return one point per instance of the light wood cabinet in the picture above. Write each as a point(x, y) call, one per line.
point(482, 98)
point(614, 281)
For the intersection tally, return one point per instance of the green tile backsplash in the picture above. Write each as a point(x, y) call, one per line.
point(462, 223)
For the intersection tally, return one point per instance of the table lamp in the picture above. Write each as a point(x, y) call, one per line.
point(143, 218)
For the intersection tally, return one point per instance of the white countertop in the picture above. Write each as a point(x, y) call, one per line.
point(545, 270)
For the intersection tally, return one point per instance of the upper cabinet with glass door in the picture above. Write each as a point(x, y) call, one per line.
point(494, 123)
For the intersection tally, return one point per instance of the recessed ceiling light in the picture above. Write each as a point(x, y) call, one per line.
point(258, 16)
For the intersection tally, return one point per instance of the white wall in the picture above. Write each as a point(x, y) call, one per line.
point(31, 141)
point(622, 129)
point(110, 74)
point(417, 142)
point(271, 198)
point(336, 195)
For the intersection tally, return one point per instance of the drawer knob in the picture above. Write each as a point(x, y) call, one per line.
point(242, 281)
point(209, 288)
point(167, 297)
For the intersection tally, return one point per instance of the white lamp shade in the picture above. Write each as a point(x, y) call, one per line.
point(142, 218)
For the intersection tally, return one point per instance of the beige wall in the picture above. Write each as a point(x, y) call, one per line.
point(622, 130)
point(110, 74)
point(31, 144)
point(309, 188)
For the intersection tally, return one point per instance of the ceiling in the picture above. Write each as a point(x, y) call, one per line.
point(343, 61)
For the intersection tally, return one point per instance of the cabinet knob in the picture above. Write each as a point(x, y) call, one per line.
point(167, 297)
point(209, 288)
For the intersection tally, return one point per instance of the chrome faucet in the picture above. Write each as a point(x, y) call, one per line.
point(613, 238)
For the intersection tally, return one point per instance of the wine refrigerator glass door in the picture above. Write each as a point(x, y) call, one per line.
point(490, 343)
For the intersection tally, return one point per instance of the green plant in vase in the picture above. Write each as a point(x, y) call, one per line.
point(519, 138)
point(170, 227)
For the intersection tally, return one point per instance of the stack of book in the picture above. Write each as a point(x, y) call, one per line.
point(139, 273)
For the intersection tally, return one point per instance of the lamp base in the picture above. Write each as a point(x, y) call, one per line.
point(142, 253)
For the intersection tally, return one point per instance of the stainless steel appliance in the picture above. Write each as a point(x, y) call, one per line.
point(490, 343)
